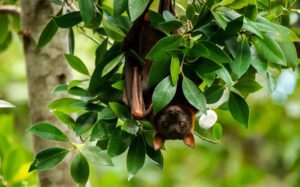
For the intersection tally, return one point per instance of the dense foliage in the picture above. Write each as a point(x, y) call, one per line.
point(224, 43)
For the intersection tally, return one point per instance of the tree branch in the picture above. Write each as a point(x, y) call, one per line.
point(10, 9)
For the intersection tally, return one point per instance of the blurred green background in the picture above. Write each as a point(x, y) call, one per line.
point(266, 154)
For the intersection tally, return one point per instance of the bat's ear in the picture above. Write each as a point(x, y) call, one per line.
point(189, 140)
point(158, 142)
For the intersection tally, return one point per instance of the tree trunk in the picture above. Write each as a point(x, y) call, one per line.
point(46, 68)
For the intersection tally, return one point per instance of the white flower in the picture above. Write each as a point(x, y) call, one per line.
point(208, 120)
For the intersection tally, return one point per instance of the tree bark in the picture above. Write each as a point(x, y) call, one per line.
point(46, 68)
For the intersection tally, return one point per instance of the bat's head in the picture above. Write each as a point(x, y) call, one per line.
point(174, 122)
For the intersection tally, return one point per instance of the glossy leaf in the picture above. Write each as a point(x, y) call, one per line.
point(120, 6)
point(175, 69)
point(67, 105)
point(276, 31)
point(163, 94)
point(238, 109)
point(113, 31)
point(160, 51)
point(136, 8)
point(85, 122)
point(194, 95)
point(106, 114)
point(243, 59)
point(213, 93)
point(64, 118)
point(136, 156)
point(48, 131)
point(210, 51)
point(269, 49)
point(120, 111)
point(130, 126)
point(80, 169)
point(77, 64)
point(112, 64)
point(68, 20)
point(100, 131)
point(48, 158)
point(118, 142)
point(155, 156)
point(247, 85)
point(87, 11)
point(47, 34)
point(96, 156)
point(158, 71)
point(290, 53)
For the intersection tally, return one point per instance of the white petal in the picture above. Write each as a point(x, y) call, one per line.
point(208, 120)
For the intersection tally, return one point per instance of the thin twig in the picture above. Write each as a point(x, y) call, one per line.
point(207, 139)
point(10, 9)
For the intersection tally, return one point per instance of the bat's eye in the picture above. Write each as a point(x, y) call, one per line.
point(182, 125)
point(165, 124)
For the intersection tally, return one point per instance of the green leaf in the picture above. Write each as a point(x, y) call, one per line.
point(106, 114)
point(160, 51)
point(64, 118)
point(175, 69)
point(156, 156)
point(120, 6)
point(213, 94)
point(112, 64)
point(120, 111)
point(136, 8)
point(194, 95)
point(47, 34)
point(225, 76)
point(100, 130)
point(158, 71)
point(101, 51)
point(260, 65)
point(96, 156)
point(276, 31)
point(136, 156)
point(60, 88)
point(77, 64)
point(210, 51)
point(120, 85)
point(269, 49)
point(163, 94)
point(48, 158)
point(67, 105)
point(243, 59)
point(71, 41)
point(130, 126)
point(75, 83)
point(118, 142)
point(85, 122)
point(80, 169)
point(170, 26)
point(290, 53)
point(238, 108)
point(87, 11)
point(68, 20)
point(217, 131)
point(113, 31)
point(247, 85)
point(190, 11)
point(48, 131)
